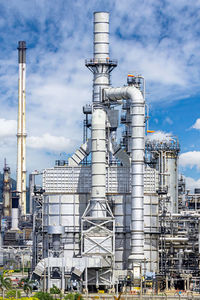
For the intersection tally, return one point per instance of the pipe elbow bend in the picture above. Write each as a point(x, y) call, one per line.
point(127, 92)
point(134, 94)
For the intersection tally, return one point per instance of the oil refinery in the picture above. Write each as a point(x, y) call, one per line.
point(116, 214)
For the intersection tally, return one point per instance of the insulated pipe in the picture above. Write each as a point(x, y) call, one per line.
point(98, 163)
point(21, 128)
point(174, 239)
point(137, 112)
point(101, 54)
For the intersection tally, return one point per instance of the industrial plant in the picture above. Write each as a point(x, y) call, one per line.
point(115, 215)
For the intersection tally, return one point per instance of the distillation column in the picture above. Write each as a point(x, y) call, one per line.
point(21, 129)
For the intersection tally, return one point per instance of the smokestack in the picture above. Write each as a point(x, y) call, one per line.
point(101, 35)
point(21, 129)
point(101, 65)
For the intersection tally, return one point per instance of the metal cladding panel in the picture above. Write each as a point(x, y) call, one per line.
point(151, 224)
point(119, 221)
point(119, 241)
point(64, 210)
point(67, 179)
point(151, 246)
point(151, 213)
point(69, 256)
point(119, 256)
point(70, 221)
point(54, 220)
point(119, 209)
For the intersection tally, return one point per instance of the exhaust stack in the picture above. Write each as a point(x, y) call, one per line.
point(98, 224)
point(101, 65)
point(21, 129)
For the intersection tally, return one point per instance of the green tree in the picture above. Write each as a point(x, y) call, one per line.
point(13, 294)
point(43, 296)
point(73, 296)
point(26, 284)
point(55, 291)
point(5, 283)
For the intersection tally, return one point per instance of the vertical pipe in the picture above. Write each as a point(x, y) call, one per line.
point(98, 163)
point(21, 129)
point(31, 191)
point(101, 35)
point(137, 113)
point(137, 176)
point(101, 54)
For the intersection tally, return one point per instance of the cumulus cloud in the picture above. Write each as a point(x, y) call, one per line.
point(8, 128)
point(191, 183)
point(196, 124)
point(50, 143)
point(190, 159)
point(162, 45)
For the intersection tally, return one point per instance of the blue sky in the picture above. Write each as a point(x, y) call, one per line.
point(156, 38)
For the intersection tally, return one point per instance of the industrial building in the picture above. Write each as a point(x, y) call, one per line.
point(116, 212)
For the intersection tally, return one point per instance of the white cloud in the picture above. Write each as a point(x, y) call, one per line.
point(50, 143)
point(191, 183)
point(190, 159)
point(196, 124)
point(163, 45)
point(8, 128)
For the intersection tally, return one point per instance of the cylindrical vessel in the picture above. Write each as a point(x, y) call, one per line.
point(172, 169)
point(98, 163)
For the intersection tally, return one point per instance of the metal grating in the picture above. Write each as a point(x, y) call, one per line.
point(78, 180)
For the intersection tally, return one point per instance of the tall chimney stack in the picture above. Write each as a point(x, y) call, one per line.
point(21, 129)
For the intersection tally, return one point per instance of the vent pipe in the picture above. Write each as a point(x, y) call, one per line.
point(21, 129)
point(101, 65)
point(137, 112)
point(101, 35)
point(101, 53)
